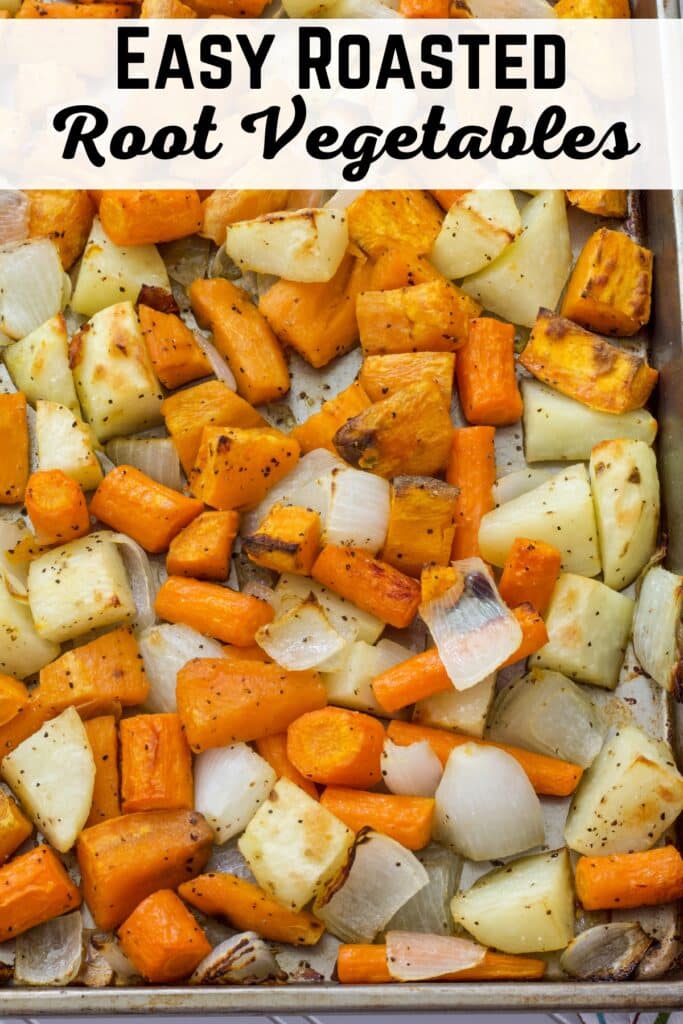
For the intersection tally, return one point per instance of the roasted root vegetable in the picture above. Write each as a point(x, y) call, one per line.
point(203, 548)
point(147, 511)
point(156, 766)
point(227, 206)
point(56, 507)
point(144, 217)
point(162, 938)
point(463, 711)
point(126, 859)
point(248, 908)
point(242, 335)
point(586, 367)
point(64, 216)
point(421, 523)
point(478, 226)
point(485, 369)
point(13, 697)
point(23, 651)
point(656, 627)
point(530, 573)
point(39, 364)
point(624, 880)
point(273, 749)
point(288, 540)
point(65, 442)
point(299, 245)
point(176, 356)
point(14, 465)
point(34, 888)
point(609, 290)
point(373, 585)
point(235, 468)
point(103, 739)
point(218, 611)
point(471, 469)
point(383, 376)
point(407, 819)
point(409, 432)
point(319, 429)
point(428, 317)
point(411, 680)
point(380, 220)
point(337, 747)
point(14, 827)
point(359, 964)
point(602, 202)
point(534, 633)
point(223, 700)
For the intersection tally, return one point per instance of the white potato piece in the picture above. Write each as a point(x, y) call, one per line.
point(525, 907)
point(460, 710)
point(230, 784)
point(476, 229)
point(557, 428)
point(293, 846)
point(343, 615)
point(115, 380)
point(628, 798)
point(32, 286)
point(559, 512)
point(111, 273)
point(53, 775)
point(39, 364)
point(79, 587)
point(625, 488)
point(519, 482)
point(532, 271)
point(656, 627)
point(350, 685)
point(65, 442)
point(22, 651)
point(589, 626)
point(300, 245)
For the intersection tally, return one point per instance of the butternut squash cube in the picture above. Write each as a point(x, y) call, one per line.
point(203, 549)
point(382, 376)
point(608, 202)
point(380, 219)
point(236, 468)
point(319, 429)
point(432, 317)
point(421, 523)
point(288, 540)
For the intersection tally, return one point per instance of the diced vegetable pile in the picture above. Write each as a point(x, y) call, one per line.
point(291, 655)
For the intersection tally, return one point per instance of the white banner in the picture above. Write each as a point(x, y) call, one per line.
point(374, 103)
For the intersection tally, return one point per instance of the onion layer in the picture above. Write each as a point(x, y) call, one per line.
point(51, 953)
point(412, 956)
point(165, 649)
point(143, 584)
point(157, 457)
point(414, 770)
point(303, 637)
point(297, 488)
point(31, 286)
point(230, 784)
point(358, 511)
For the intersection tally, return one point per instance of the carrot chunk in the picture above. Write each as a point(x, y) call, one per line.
point(22, 725)
point(367, 965)
point(203, 549)
point(13, 448)
point(273, 749)
point(56, 506)
point(372, 585)
point(530, 573)
point(424, 8)
point(14, 827)
point(472, 469)
point(487, 385)
point(162, 938)
point(156, 766)
point(337, 747)
point(209, 608)
point(144, 216)
point(34, 888)
point(62, 9)
point(176, 356)
point(625, 880)
point(407, 819)
point(103, 739)
point(411, 680)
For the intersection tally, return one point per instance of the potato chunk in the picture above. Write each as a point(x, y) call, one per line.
point(65, 442)
point(478, 226)
point(299, 245)
point(39, 364)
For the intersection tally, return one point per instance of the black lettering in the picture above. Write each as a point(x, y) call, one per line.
point(202, 128)
point(622, 146)
point(395, 50)
point(83, 125)
point(124, 58)
point(272, 141)
point(444, 79)
point(473, 45)
point(506, 61)
point(543, 47)
point(354, 61)
point(174, 64)
point(255, 58)
point(211, 50)
point(320, 140)
point(318, 62)
point(128, 142)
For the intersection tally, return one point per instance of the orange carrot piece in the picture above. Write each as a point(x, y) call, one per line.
point(251, 653)
point(149, 512)
point(336, 747)
point(625, 880)
point(248, 908)
point(209, 608)
point(424, 8)
point(13, 448)
point(156, 766)
point(319, 429)
point(372, 585)
point(223, 701)
point(61, 9)
point(273, 749)
point(14, 827)
point(26, 721)
point(472, 469)
point(407, 819)
point(487, 385)
point(108, 668)
point(428, 317)
point(176, 356)
point(203, 548)
point(242, 335)
point(162, 938)
point(548, 775)
point(146, 216)
point(534, 633)
point(13, 697)
point(56, 506)
point(411, 680)
point(530, 573)
point(103, 739)
point(34, 888)
point(367, 965)
point(125, 859)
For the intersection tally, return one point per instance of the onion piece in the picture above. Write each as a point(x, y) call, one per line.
point(157, 457)
point(303, 637)
point(218, 363)
point(143, 585)
point(291, 490)
point(412, 956)
point(358, 511)
point(186, 259)
point(165, 649)
point(414, 770)
point(346, 618)
point(244, 959)
point(429, 910)
point(31, 286)
point(486, 808)
point(14, 216)
point(473, 629)
point(51, 953)
point(519, 482)
point(379, 877)
point(549, 714)
point(310, 964)
point(230, 784)
point(14, 575)
point(606, 952)
point(342, 199)
point(657, 627)
point(228, 860)
point(109, 948)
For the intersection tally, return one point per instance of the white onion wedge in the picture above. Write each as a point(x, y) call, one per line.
point(244, 959)
point(414, 770)
point(165, 649)
point(143, 585)
point(15, 576)
point(657, 626)
point(473, 629)
point(343, 615)
point(22, 650)
point(429, 910)
point(412, 956)
point(230, 784)
point(31, 286)
point(303, 637)
point(486, 808)
point(157, 457)
point(358, 511)
point(51, 953)
point(218, 364)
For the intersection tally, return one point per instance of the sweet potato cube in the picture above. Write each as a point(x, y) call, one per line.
point(13, 697)
point(146, 216)
point(611, 284)
point(586, 367)
point(205, 405)
point(592, 9)
point(173, 348)
point(236, 468)
point(125, 859)
point(204, 548)
point(380, 219)
point(421, 523)
point(287, 540)
point(104, 743)
point(428, 317)
point(156, 766)
point(63, 215)
point(382, 376)
point(14, 827)
point(162, 938)
point(14, 465)
point(409, 432)
point(607, 202)
point(319, 429)
point(401, 266)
